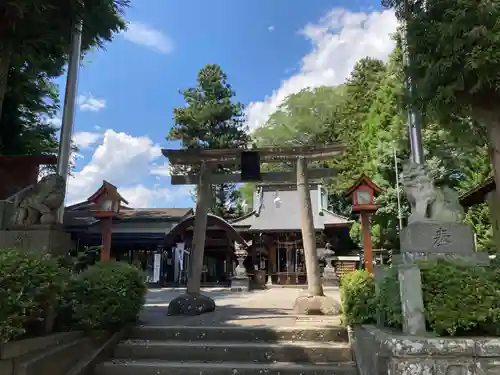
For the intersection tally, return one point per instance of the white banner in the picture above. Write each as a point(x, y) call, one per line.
point(156, 268)
point(180, 254)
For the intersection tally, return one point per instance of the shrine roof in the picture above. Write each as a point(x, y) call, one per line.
point(266, 216)
point(82, 214)
point(478, 194)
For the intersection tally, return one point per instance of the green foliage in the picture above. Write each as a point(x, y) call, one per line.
point(107, 295)
point(34, 46)
point(31, 101)
point(455, 49)
point(31, 284)
point(358, 298)
point(390, 300)
point(459, 299)
point(368, 115)
point(212, 119)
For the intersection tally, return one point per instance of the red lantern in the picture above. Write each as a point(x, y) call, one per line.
point(108, 202)
point(363, 193)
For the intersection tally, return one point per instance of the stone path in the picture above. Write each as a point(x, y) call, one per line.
point(273, 307)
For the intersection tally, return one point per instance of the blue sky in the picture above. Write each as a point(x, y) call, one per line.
point(268, 48)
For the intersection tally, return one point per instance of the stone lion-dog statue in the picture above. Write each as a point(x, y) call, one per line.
point(429, 203)
point(38, 204)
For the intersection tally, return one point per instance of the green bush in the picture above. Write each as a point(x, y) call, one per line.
point(459, 299)
point(30, 289)
point(357, 293)
point(107, 295)
point(389, 299)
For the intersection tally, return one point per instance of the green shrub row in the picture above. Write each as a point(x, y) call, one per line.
point(36, 291)
point(459, 299)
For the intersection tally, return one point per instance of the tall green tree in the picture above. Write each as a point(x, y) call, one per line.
point(454, 47)
point(371, 121)
point(38, 31)
point(212, 119)
point(30, 106)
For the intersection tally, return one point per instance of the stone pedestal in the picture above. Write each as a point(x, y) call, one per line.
point(427, 240)
point(329, 276)
point(46, 239)
point(451, 241)
point(240, 284)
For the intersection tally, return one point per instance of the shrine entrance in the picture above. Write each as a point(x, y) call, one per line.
point(219, 260)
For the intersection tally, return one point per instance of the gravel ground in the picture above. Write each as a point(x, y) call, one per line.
point(257, 308)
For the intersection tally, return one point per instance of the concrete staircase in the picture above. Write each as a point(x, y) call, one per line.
point(231, 350)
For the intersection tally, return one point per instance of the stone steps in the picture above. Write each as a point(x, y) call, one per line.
point(205, 350)
point(155, 367)
point(285, 351)
point(238, 333)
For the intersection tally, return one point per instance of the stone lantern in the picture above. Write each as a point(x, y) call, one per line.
point(240, 280)
point(330, 277)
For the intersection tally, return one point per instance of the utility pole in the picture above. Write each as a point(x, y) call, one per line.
point(64, 154)
point(398, 193)
point(414, 116)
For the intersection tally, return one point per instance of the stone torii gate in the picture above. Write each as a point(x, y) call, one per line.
point(206, 161)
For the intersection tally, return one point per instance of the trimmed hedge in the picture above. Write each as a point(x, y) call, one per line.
point(31, 285)
point(459, 299)
point(358, 298)
point(35, 289)
point(106, 296)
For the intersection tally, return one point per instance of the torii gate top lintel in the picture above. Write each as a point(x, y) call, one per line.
point(267, 154)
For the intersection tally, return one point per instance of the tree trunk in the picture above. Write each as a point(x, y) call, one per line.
point(5, 57)
point(308, 233)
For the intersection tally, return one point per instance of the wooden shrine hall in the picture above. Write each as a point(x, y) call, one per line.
point(160, 239)
point(274, 228)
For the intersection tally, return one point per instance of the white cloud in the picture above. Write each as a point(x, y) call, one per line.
point(338, 40)
point(84, 140)
point(90, 103)
point(270, 28)
point(161, 170)
point(141, 196)
point(55, 121)
point(144, 35)
point(126, 161)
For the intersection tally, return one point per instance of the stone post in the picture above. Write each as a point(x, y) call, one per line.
point(200, 231)
point(308, 233)
point(315, 302)
point(412, 303)
point(194, 303)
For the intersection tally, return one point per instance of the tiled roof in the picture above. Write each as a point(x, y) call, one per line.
point(286, 216)
point(81, 214)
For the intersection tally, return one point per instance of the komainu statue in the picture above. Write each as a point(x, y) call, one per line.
point(39, 203)
point(429, 203)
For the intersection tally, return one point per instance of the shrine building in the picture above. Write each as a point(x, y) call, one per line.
point(160, 239)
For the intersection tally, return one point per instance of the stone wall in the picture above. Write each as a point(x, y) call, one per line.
point(388, 352)
point(57, 354)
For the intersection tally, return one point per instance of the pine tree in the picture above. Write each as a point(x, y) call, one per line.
point(212, 119)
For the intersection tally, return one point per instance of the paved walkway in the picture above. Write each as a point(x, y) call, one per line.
point(273, 307)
